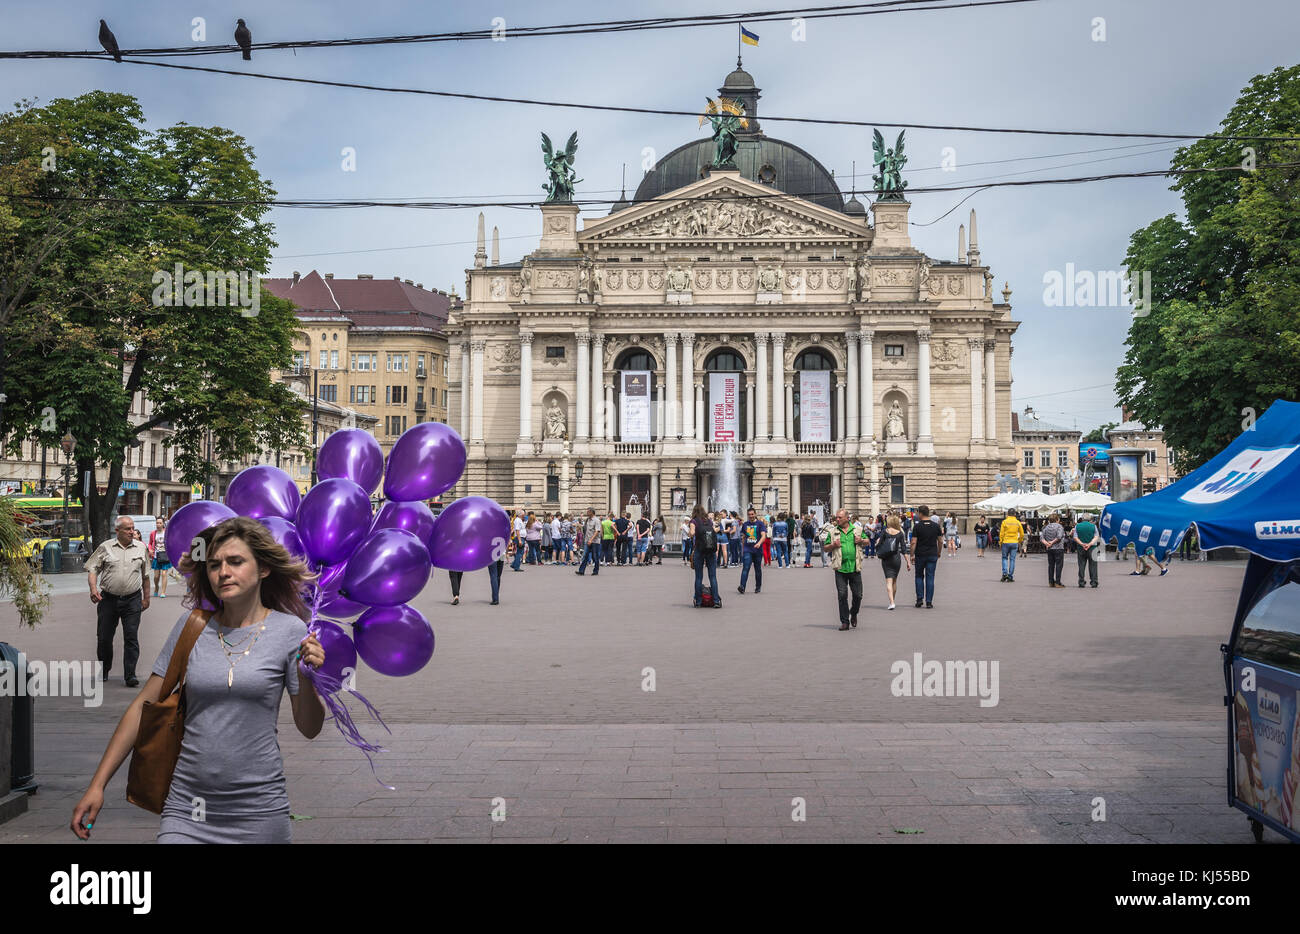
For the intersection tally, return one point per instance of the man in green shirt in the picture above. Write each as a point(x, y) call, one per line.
point(841, 543)
point(607, 538)
point(1089, 543)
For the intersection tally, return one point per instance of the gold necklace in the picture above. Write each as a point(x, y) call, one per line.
point(232, 658)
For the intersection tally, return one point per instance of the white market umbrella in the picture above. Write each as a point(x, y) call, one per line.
point(1088, 499)
point(1031, 501)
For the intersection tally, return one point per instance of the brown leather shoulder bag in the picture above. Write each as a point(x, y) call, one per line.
point(162, 726)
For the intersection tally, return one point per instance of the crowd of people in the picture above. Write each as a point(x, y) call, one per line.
point(912, 538)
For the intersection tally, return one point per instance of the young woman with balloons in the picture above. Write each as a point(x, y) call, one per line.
point(356, 571)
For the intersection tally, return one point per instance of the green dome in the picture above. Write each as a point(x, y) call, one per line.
point(760, 158)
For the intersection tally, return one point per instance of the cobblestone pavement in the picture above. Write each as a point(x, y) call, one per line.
point(1112, 693)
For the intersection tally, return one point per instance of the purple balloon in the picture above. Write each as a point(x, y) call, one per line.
point(333, 519)
point(340, 653)
point(331, 578)
point(337, 607)
point(389, 568)
point(286, 533)
point(263, 491)
point(394, 640)
point(469, 535)
point(188, 521)
point(427, 460)
point(352, 454)
point(415, 517)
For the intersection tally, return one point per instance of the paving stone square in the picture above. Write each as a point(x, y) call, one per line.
point(763, 712)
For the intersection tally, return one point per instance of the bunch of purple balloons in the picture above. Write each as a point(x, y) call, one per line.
point(368, 566)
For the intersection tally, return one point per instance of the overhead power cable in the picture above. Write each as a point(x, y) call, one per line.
point(823, 121)
point(529, 32)
point(775, 196)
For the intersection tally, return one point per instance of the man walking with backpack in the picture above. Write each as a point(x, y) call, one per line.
point(705, 555)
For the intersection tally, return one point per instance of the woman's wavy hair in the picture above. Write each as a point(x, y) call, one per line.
point(282, 589)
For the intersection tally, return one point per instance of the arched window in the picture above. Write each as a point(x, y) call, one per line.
point(727, 361)
point(635, 358)
point(815, 359)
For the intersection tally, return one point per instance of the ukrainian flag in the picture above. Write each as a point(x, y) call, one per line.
point(748, 37)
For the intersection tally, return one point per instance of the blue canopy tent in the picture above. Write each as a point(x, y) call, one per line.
point(1247, 496)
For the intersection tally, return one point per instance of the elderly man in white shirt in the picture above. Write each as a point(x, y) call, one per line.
point(118, 575)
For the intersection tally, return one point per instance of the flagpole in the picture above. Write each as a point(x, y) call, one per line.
point(738, 45)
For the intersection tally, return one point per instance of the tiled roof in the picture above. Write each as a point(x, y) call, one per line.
point(366, 302)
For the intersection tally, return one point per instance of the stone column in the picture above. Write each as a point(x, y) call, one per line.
point(990, 392)
point(789, 410)
point(854, 426)
point(584, 384)
point(976, 389)
point(761, 421)
point(597, 383)
point(525, 385)
point(749, 405)
point(924, 436)
point(476, 391)
point(867, 390)
point(614, 504)
point(699, 410)
point(464, 389)
point(778, 385)
point(611, 416)
point(652, 508)
point(688, 385)
point(840, 418)
point(670, 385)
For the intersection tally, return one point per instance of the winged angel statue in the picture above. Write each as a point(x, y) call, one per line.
point(559, 190)
point(889, 183)
point(727, 116)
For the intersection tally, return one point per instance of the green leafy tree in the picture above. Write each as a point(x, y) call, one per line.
point(80, 331)
point(18, 578)
point(1098, 435)
point(1222, 340)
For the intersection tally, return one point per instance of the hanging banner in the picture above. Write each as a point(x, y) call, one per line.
point(724, 407)
point(634, 408)
point(814, 405)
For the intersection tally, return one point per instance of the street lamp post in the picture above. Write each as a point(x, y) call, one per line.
point(69, 444)
point(875, 485)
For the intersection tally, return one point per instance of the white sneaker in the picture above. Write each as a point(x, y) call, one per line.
point(891, 606)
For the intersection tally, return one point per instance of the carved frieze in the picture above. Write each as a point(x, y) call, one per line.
point(503, 355)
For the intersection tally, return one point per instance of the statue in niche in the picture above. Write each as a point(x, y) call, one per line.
point(894, 422)
point(557, 427)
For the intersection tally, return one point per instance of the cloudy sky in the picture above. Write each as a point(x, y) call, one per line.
point(1168, 66)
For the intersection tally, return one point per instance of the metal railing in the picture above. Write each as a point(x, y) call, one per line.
point(718, 448)
point(815, 448)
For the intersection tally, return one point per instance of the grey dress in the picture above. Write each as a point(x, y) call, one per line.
point(230, 756)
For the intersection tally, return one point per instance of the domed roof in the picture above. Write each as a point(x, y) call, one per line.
point(855, 207)
point(738, 79)
point(759, 158)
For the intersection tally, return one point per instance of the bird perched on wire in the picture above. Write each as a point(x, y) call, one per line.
point(244, 39)
point(109, 41)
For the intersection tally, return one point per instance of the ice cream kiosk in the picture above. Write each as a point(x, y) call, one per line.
point(1247, 496)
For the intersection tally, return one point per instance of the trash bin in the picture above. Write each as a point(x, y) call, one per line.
point(51, 558)
point(23, 753)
